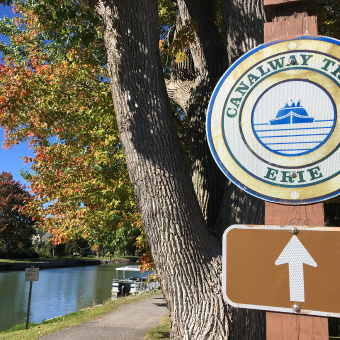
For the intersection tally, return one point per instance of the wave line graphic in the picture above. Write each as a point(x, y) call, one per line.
point(291, 139)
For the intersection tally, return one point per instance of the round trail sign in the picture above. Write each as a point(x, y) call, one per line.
point(272, 121)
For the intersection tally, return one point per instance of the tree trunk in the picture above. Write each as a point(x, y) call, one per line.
point(210, 61)
point(185, 254)
point(179, 207)
point(243, 25)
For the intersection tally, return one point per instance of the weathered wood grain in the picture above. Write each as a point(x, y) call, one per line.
point(303, 215)
point(289, 19)
point(293, 327)
point(291, 28)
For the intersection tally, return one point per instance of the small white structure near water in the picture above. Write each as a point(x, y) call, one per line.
point(131, 285)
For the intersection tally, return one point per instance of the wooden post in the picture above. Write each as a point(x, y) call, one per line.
point(289, 19)
point(29, 305)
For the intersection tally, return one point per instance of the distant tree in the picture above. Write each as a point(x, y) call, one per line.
point(78, 246)
point(329, 18)
point(120, 242)
point(16, 229)
point(61, 104)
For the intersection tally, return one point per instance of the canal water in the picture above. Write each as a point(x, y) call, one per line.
point(59, 291)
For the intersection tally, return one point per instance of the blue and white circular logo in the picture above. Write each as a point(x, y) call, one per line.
point(272, 122)
point(294, 117)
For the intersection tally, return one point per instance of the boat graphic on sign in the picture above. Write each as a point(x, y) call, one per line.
point(292, 114)
point(295, 130)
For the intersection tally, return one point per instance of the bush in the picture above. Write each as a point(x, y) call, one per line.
point(23, 254)
point(32, 254)
point(59, 250)
point(19, 254)
point(45, 249)
point(77, 246)
point(3, 254)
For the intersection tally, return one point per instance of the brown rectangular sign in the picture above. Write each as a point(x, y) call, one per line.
point(276, 268)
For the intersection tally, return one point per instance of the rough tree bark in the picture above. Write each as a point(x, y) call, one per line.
point(248, 17)
point(182, 209)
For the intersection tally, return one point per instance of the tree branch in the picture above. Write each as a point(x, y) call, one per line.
point(179, 91)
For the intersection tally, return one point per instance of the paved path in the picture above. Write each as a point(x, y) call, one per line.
point(129, 322)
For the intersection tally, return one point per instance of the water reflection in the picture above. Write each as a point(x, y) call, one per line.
point(12, 297)
point(58, 292)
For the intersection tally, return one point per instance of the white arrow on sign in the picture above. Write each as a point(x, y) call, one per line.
point(295, 254)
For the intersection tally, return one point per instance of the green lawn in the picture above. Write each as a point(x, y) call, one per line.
point(69, 258)
point(35, 331)
point(162, 331)
point(49, 259)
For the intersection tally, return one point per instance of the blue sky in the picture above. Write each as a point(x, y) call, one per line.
point(10, 159)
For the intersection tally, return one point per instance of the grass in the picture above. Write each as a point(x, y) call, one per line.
point(48, 259)
point(35, 331)
point(162, 331)
point(69, 258)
